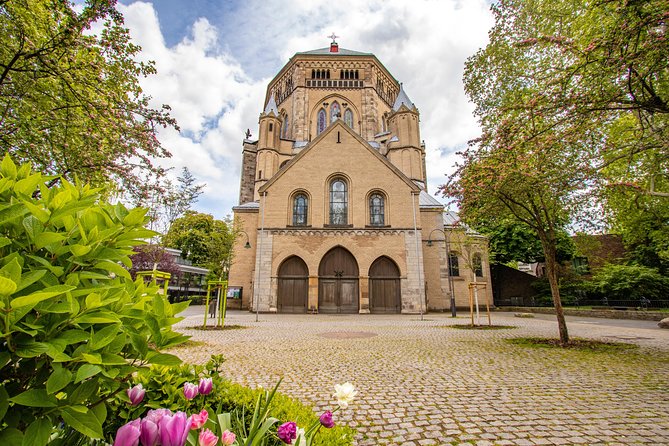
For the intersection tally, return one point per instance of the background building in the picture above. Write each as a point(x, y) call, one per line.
point(333, 195)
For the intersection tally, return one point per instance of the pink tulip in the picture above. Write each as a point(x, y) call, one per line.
point(287, 432)
point(207, 438)
point(174, 429)
point(205, 386)
point(228, 438)
point(149, 433)
point(136, 394)
point(326, 420)
point(156, 414)
point(128, 434)
point(190, 390)
point(198, 419)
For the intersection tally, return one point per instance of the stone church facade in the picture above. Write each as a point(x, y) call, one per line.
point(333, 199)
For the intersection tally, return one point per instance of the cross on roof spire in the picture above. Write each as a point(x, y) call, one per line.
point(333, 37)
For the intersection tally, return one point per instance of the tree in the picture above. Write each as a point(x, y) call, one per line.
point(511, 240)
point(180, 198)
point(70, 100)
point(565, 92)
point(203, 240)
point(148, 257)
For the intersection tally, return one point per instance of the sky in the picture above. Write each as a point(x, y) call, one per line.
point(214, 59)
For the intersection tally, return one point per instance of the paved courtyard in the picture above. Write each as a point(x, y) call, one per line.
point(423, 383)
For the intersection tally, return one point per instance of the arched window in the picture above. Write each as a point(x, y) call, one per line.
point(335, 111)
point(322, 121)
point(477, 264)
point(453, 265)
point(376, 210)
point(300, 208)
point(348, 117)
point(338, 202)
point(284, 129)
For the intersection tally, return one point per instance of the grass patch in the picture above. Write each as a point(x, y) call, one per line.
point(586, 345)
point(217, 328)
point(480, 327)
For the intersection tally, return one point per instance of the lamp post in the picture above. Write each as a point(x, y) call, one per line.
point(451, 288)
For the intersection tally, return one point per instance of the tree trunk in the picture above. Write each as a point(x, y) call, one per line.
point(550, 252)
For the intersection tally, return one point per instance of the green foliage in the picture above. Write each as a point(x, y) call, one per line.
point(630, 282)
point(203, 240)
point(164, 389)
point(74, 326)
point(514, 241)
point(70, 100)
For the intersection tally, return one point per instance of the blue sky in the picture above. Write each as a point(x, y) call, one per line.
point(215, 57)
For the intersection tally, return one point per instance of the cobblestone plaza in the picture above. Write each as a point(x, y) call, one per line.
point(424, 383)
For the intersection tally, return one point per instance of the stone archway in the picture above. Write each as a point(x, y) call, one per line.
point(384, 287)
point(338, 282)
point(293, 291)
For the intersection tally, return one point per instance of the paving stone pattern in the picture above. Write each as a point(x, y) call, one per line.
point(423, 383)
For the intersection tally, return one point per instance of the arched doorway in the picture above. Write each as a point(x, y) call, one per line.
point(293, 289)
point(384, 287)
point(338, 282)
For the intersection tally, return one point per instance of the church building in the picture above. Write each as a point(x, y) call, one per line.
point(333, 199)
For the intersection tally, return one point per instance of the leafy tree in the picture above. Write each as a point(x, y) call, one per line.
point(511, 240)
point(74, 327)
point(180, 198)
point(70, 100)
point(147, 257)
point(203, 240)
point(566, 92)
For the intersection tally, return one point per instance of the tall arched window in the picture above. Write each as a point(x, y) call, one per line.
point(453, 265)
point(300, 208)
point(376, 210)
point(322, 120)
point(477, 264)
point(284, 129)
point(335, 111)
point(338, 202)
point(348, 117)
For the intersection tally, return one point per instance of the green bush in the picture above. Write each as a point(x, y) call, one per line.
point(630, 282)
point(164, 388)
point(75, 327)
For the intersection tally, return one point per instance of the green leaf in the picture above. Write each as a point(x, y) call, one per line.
point(7, 286)
point(134, 217)
point(80, 250)
point(4, 402)
point(139, 343)
point(8, 168)
point(32, 226)
point(102, 338)
point(34, 398)
point(31, 349)
point(48, 238)
point(60, 378)
point(98, 317)
point(163, 359)
point(113, 268)
point(12, 270)
point(86, 423)
point(28, 185)
point(34, 298)
point(4, 241)
point(100, 412)
point(39, 213)
point(12, 211)
point(11, 437)
point(38, 433)
point(86, 371)
point(84, 391)
point(30, 278)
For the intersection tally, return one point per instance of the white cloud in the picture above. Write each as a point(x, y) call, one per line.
point(423, 44)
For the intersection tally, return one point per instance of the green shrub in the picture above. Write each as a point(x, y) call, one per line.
point(164, 388)
point(630, 282)
point(75, 327)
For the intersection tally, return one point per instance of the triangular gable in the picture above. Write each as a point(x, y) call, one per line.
point(339, 124)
